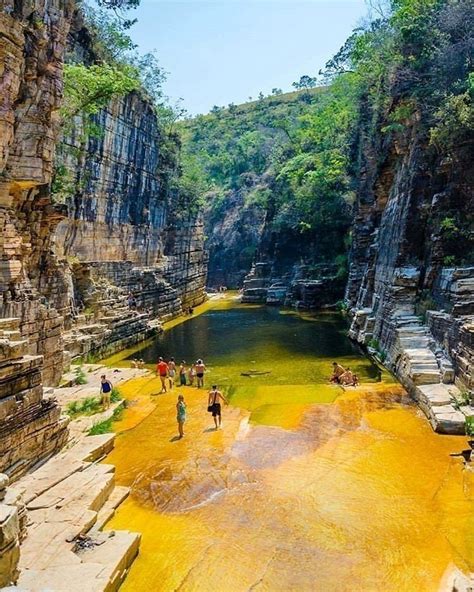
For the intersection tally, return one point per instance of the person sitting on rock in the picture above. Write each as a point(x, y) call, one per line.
point(134, 363)
point(105, 391)
point(337, 372)
point(132, 302)
point(141, 364)
point(347, 378)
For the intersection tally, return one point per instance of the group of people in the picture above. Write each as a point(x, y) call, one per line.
point(343, 376)
point(138, 363)
point(215, 396)
point(168, 372)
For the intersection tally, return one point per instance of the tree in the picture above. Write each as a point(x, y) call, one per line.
point(305, 82)
point(277, 91)
point(89, 89)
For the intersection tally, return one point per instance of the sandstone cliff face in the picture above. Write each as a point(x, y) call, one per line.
point(124, 232)
point(32, 42)
point(66, 268)
point(404, 297)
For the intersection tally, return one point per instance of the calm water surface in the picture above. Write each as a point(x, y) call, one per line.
point(306, 488)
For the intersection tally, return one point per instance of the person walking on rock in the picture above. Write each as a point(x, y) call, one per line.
point(214, 405)
point(200, 370)
point(105, 391)
point(162, 372)
point(181, 414)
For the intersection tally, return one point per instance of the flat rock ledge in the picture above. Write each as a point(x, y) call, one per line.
point(68, 501)
point(436, 401)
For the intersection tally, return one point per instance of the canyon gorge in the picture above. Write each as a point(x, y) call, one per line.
point(105, 236)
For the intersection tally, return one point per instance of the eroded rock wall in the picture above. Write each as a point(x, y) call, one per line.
point(32, 41)
point(405, 299)
point(125, 232)
point(67, 267)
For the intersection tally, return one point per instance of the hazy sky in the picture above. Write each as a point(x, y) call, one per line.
point(223, 51)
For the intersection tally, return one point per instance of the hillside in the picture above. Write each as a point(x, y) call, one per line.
point(254, 165)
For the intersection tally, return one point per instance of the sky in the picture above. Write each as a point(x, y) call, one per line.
point(218, 52)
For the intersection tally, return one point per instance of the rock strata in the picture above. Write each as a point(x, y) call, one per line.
point(415, 312)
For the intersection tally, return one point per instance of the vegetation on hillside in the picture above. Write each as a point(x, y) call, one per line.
point(298, 157)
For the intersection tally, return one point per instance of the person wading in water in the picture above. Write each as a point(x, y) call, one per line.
point(181, 414)
point(162, 372)
point(214, 405)
point(105, 391)
point(200, 369)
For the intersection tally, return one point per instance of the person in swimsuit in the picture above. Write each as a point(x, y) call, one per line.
point(171, 372)
point(181, 415)
point(347, 379)
point(182, 373)
point(200, 369)
point(162, 372)
point(192, 374)
point(337, 372)
point(214, 401)
point(105, 391)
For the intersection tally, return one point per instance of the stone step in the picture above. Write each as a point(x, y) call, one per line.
point(118, 495)
point(103, 567)
point(73, 496)
point(10, 335)
point(425, 377)
point(9, 324)
point(63, 465)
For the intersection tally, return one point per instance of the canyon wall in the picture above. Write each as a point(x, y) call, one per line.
point(124, 233)
point(67, 266)
point(32, 44)
point(408, 301)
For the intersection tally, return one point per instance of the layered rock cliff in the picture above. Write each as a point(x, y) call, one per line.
point(32, 43)
point(68, 266)
point(411, 283)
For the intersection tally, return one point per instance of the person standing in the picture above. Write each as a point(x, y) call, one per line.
point(105, 391)
point(181, 414)
point(214, 405)
point(200, 370)
point(182, 373)
point(171, 372)
point(192, 374)
point(162, 372)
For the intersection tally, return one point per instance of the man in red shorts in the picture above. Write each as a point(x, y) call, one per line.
point(162, 372)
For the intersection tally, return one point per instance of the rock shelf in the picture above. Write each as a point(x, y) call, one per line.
point(68, 501)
